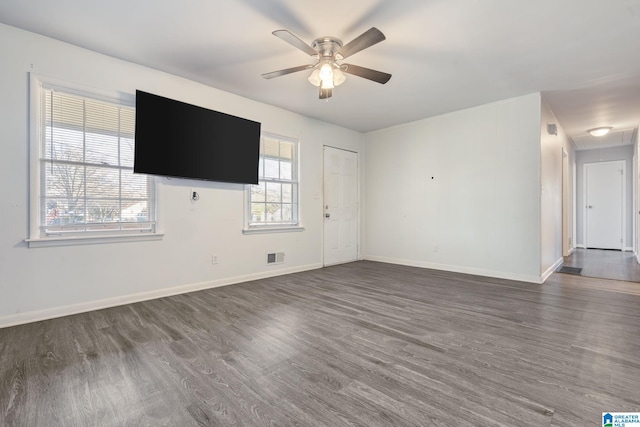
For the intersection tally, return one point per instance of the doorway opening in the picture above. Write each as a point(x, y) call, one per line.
point(603, 215)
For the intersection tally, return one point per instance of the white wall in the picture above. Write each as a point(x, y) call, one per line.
point(624, 153)
point(458, 192)
point(551, 193)
point(44, 282)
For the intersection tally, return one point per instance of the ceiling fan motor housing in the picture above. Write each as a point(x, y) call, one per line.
point(327, 47)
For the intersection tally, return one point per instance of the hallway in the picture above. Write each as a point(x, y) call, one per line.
point(605, 264)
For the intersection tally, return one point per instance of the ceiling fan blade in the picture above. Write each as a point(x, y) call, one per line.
point(286, 71)
point(325, 93)
point(294, 41)
point(367, 73)
point(363, 41)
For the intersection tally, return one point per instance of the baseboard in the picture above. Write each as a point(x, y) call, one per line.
point(458, 269)
point(51, 313)
point(626, 249)
point(551, 269)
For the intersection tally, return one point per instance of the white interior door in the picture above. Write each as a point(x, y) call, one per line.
point(340, 206)
point(604, 204)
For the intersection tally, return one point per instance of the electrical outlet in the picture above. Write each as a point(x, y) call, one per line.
point(214, 259)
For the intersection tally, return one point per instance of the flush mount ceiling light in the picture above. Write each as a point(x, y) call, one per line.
point(601, 131)
point(327, 71)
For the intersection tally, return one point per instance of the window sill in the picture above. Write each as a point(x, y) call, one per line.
point(45, 242)
point(267, 230)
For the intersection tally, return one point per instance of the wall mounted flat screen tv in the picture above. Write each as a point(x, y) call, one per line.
point(176, 139)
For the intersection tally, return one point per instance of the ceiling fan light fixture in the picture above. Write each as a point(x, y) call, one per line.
point(327, 84)
point(314, 78)
point(601, 131)
point(338, 77)
point(326, 75)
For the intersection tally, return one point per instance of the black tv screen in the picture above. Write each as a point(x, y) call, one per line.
point(176, 139)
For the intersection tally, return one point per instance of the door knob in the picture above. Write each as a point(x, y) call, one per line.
point(590, 207)
point(327, 215)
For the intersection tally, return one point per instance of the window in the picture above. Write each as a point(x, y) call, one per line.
point(83, 183)
point(274, 201)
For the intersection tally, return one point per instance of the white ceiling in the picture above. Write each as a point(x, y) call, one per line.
point(445, 55)
point(615, 138)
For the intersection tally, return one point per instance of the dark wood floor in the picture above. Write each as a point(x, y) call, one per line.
point(604, 264)
point(358, 344)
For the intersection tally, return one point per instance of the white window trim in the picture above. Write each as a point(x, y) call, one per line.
point(35, 238)
point(267, 229)
point(274, 228)
point(45, 242)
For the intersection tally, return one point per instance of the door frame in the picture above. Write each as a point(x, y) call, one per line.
point(567, 243)
point(623, 163)
point(634, 200)
point(358, 196)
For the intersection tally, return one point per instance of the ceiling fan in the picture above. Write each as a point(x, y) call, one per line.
point(328, 72)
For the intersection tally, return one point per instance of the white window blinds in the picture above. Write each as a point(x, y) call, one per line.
point(87, 183)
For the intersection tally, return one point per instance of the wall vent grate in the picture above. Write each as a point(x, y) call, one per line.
point(275, 257)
